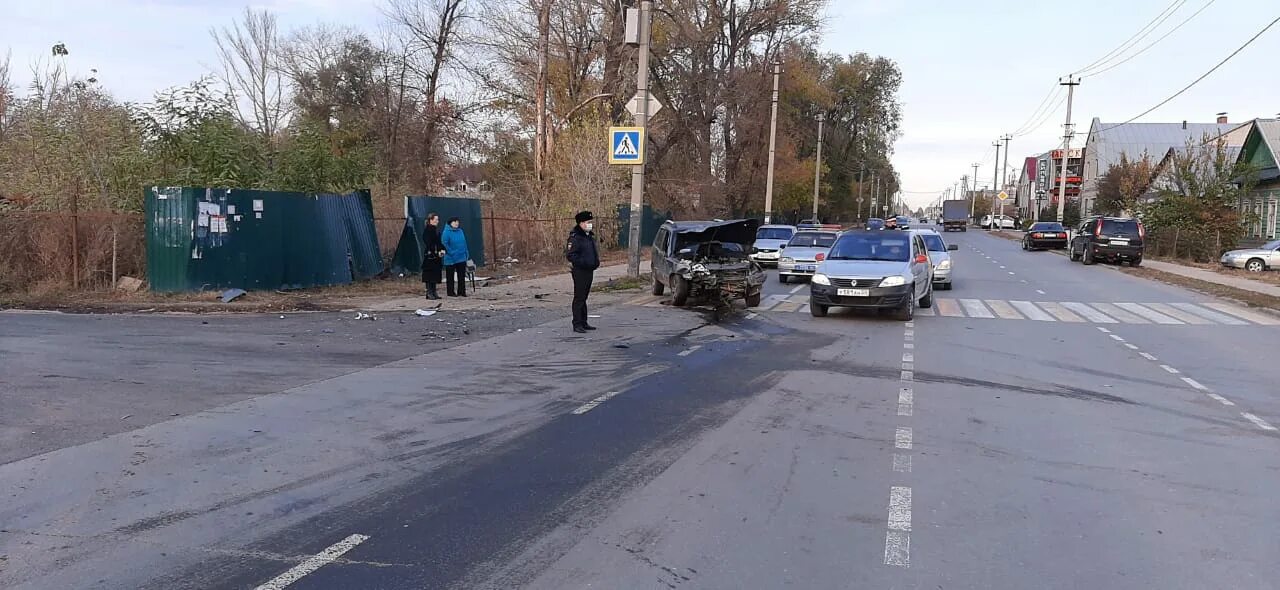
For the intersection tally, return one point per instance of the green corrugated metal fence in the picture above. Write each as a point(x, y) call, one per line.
point(199, 238)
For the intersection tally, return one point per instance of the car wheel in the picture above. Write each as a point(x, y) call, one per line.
point(1255, 265)
point(816, 310)
point(1071, 254)
point(783, 278)
point(1088, 256)
point(679, 291)
point(1135, 262)
point(1024, 246)
point(753, 300)
point(658, 287)
point(907, 312)
point(927, 301)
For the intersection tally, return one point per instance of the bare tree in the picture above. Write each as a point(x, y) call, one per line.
point(434, 29)
point(250, 56)
point(6, 94)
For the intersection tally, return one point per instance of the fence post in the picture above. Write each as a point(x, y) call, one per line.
point(493, 238)
point(115, 278)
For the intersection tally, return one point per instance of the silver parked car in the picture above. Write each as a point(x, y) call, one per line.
point(874, 270)
point(801, 255)
point(769, 242)
point(1258, 259)
point(940, 255)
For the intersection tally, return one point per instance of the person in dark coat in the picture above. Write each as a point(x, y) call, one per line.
point(456, 256)
point(432, 255)
point(584, 259)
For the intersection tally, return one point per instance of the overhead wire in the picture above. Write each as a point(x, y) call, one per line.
point(1197, 80)
point(1153, 43)
point(1138, 36)
point(1043, 119)
point(1036, 113)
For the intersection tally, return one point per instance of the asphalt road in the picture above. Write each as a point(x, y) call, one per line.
point(1049, 425)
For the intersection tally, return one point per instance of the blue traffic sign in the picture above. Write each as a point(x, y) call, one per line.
point(626, 145)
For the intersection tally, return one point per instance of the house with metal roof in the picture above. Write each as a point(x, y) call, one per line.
point(1107, 142)
point(1262, 150)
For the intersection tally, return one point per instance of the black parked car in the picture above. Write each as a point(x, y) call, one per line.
point(1114, 239)
point(1045, 234)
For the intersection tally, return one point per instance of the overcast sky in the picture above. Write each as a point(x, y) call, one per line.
point(972, 70)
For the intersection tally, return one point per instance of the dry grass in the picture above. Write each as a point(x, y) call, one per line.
point(1249, 298)
point(1271, 278)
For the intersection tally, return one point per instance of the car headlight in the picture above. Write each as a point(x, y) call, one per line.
point(945, 264)
point(787, 259)
point(894, 281)
point(821, 280)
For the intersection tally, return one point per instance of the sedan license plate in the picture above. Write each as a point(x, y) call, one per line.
point(807, 267)
point(1120, 241)
point(853, 292)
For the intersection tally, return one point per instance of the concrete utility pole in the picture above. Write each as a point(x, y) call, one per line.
point(862, 171)
point(973, 203)
point(995, 184)
point(817, 166)
point(773, 140)
point(642, 119)
point(1071, 84)
point(1004, 171)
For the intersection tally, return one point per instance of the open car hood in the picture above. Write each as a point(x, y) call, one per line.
point(737, 231)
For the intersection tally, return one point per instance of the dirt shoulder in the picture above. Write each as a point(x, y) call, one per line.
point(495, 284)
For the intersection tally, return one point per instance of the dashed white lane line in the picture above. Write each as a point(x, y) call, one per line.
point(908, 357)
point(798, 289)
point(1130, 346)
point(1039, 291)
point(908, 376)
point(1169, 369)
point(753, 315)
point(1116, 338)
point(591, 405)
point(901, 463)
point(908, 345)
point(690, 350)
point(906, 401)
point(908, 366)
point(1259, 422)
point(897, 540)
point(900, 508)
point(1002, 268)
point(332, 553)
point(1010, 272)
point(1222, 400)
point(910, 324)
point(1194, 383)
point(1148, 356)
point(1103, 330)
point(902, 438)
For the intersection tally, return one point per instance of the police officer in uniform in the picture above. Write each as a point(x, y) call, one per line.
point(584, 259)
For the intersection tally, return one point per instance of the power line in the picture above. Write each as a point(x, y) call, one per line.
point(1197, 80)
point(1153, 43)
point(1143, 32)
point(1036, 113)
point(1043, 119)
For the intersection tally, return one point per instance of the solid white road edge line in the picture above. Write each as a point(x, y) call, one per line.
point(1259, 422)
point(314, 563)
point(591, 405)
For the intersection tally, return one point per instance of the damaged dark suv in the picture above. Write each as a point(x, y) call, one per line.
point(707, 260)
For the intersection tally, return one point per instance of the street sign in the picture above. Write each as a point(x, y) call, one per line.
point(633, 105)
point(1003, 195)
point(626, 145)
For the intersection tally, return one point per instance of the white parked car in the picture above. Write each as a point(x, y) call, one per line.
point(1002, 221)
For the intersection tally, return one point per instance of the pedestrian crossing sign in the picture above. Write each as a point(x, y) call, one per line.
point(626, 145)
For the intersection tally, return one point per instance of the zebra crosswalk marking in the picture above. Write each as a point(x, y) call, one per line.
point(1173, 312)
point(949, 308)
point(1089, 313)
point(1210, 314)
point(1060, 312)
point(1120, 314)
point(1031, 311)
point(1152, 315)
point(1244, 314)
point(1003, 309)
point(975, 309)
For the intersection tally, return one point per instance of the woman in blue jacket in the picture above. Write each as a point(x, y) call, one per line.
point(456, 256)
